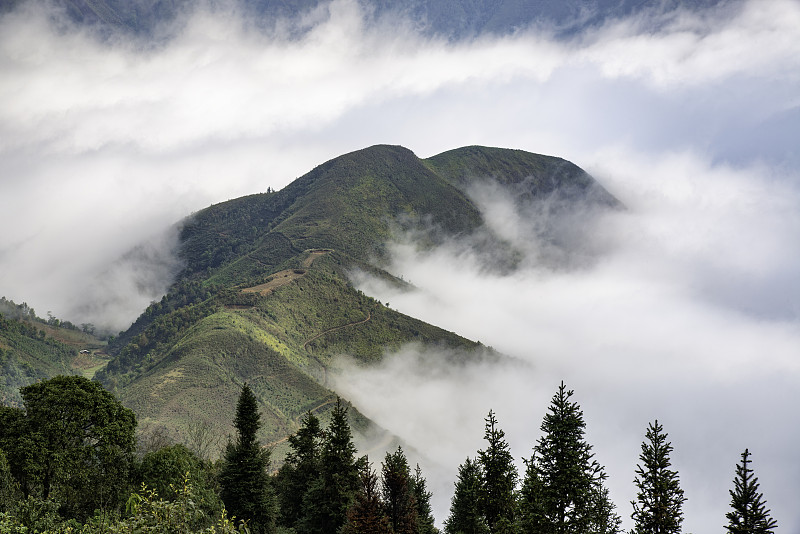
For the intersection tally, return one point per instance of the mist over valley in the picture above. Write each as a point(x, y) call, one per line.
point(242, 194)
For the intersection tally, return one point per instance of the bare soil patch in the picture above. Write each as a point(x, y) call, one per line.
point(279, 279)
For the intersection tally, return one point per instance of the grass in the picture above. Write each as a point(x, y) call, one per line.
point(265, 299)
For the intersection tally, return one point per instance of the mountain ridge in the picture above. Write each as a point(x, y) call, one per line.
point(266, 297)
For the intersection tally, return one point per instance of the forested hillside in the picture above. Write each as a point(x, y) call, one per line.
point(265, 295)
point(86, 474)
point(33, 349)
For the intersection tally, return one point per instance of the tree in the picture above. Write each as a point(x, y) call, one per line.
point(367, 514)
point(202, 440)
point(327, 500)
point(465, 517)
point(499, 479)
point(300, 469)
point(425, 521)
point(76, 443)
point(8, 486)
point(246, 489)
point(165, 470)
point(147, 512)
point(398, 496)
point(563, 491)
point(17, 448)
point(657, 508)
point(750, 514)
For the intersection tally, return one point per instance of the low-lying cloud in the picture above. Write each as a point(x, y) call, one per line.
point(683, 307)
point(104, 144)
point(687, 314)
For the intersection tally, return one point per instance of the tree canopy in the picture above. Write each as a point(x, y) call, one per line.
point(73, 441)
point(563, 490)
point(246, 487)
point(659, 501)
point(749, 514)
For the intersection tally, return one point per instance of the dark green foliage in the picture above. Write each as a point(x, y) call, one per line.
point(74, 443)
point(9, 489)
point(34, 514)
point(328, 498)
point(657, 508)
point(246, 488)
point(425, 520)
point(465, 516)
point(749, 514)
point(398, 494)
point(213, 328)
point(147, 512)
point(183, 293)
point(301, 467)
point(17, 447)
point(563, 490)
point(233, 229)
point(499, 479)
point(165, 471)
point(367, 514)
point(527, 175)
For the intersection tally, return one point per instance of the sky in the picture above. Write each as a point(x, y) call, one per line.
point(684, 307)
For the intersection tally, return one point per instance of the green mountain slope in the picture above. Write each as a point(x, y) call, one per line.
point(265, 296)
point(32, 350)
point(528, 175)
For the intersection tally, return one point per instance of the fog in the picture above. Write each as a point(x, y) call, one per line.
point(684, 307)
point(686, 312)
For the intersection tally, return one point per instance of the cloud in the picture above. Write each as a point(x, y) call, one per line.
point(671, 309)
point(658, 325)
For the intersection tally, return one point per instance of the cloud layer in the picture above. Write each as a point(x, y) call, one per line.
point(687, 311)
point(688, 314)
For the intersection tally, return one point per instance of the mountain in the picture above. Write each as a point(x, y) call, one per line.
point(265, 295)
point(33, 349)
point(452, 19)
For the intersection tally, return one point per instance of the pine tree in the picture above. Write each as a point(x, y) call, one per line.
point(465, 517)
point(300, 469)
point(657, 508)
point(531, 512)
point(246, 488)
point(750, 514)
point(425, 521)
point(328, 498)
point(499, 479)
point(367, 514)
point(398, 497)
point(563, 488)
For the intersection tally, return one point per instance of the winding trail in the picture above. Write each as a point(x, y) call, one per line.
point(335, 328)
point(328, 331)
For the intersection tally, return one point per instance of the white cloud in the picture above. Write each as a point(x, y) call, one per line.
point(692, 296)
point(654, 327)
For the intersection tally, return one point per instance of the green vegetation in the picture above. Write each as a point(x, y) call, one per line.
point(527, 175)
point(68, 464)
point(33, 349)
point(465, 508)
point(246, 488)
point(265, 299)
point(659, 501)
point(749, 513)
point(73, 443)
point(499, 479)
point(563, 490)
point(28, 355)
